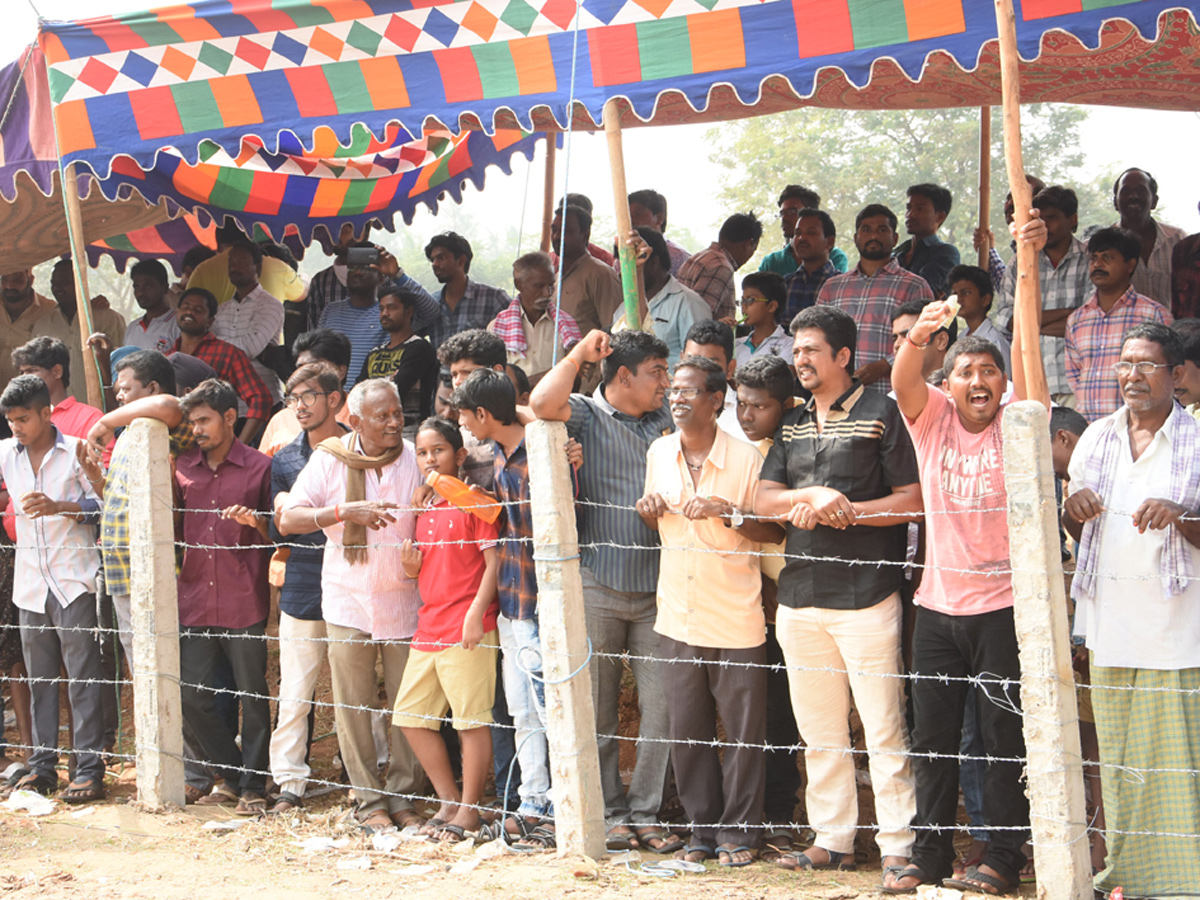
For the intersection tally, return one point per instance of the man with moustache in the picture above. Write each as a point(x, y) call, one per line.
point(358, 489)
point(1097, 329)
point(1135, 197)
point(157, 328)
point(1135, 482)
point(871, 291)
point(844, 476)
point(466, 304)
point(197, 310)
point(792, 202)
point(406, 358)
point(21, 310)
point(535, 333)
point(252, 319)
point(812, 246)
point(700, 490)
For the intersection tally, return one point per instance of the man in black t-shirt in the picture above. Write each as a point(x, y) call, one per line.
point(408, 359)
point(844, 474)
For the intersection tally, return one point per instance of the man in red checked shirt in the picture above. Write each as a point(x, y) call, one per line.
point(197, 309)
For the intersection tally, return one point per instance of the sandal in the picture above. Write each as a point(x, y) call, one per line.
point(377, 822)
point(438, 836)
point(83, 791)
point(620, 837)
point(898, 872)
point(728, 850)
point(251, 803)
point(285, 803)
point(404, 818)
point(191, 794)
point(704, 851)
point(221, 795)
point(982, 883)
point(843, 862)
point(776, 844)
point(540, 838)
point(489, 831)
point(648, 834)
point(39, 784)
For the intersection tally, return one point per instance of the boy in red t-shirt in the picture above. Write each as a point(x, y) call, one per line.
point(452, 665)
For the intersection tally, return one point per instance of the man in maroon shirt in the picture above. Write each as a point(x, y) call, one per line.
point(223, 492)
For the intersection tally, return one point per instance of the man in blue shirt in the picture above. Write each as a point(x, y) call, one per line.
point(783, 261)
point(314, 393)
point(924, 253)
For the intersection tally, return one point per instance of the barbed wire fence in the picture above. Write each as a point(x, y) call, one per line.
point(1053, 764)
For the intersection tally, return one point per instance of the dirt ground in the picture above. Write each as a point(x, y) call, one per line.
point(116, 850)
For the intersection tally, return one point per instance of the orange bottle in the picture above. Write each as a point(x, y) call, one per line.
point(455, 491)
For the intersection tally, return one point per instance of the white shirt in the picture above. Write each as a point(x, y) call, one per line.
point(1128, 621)
point(154, 334)
point(728, 420)
point(375, 597)
point(778, 343)
point(55, 554)
point(252, 324)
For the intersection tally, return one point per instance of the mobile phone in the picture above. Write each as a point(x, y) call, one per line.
point(362, 256)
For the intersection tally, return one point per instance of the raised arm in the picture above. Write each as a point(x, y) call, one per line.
point(907, 380)
point(551, 398)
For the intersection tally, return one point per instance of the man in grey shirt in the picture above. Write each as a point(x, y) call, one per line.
point(619, 557)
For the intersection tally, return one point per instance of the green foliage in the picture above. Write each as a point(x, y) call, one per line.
point(852, 158)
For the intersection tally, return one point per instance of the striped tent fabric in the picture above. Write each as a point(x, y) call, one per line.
point(219, 70)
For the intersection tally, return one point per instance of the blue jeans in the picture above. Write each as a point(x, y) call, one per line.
point(520, 644)
point(971, 772)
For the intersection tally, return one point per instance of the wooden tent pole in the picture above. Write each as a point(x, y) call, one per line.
point(985, 178)
point(548, 190)
point(630, 282)
point(83, 298)
point(1029, 376)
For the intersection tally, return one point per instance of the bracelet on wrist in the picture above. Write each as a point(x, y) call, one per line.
point(567, 358)
point(337, 516)
point(915, 344)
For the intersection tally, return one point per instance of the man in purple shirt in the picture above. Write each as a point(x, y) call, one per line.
point(223, 490)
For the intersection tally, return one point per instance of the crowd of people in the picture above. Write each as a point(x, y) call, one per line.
point(791, 506)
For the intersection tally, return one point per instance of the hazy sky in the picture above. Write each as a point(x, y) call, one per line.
point(675, 160)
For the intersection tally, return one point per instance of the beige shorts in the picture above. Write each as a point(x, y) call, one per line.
point(455, 679)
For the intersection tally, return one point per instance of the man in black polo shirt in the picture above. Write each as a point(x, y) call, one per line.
point(844, 474)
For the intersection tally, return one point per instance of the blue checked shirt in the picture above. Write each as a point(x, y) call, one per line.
point(479, 305)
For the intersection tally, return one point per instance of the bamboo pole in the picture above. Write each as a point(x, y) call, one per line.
point(1029, 376)
point(985, 177)
point(616, 163)
point(83, 299)
point(548, 190)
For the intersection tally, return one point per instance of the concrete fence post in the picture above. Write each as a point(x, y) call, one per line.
point(570, 714)
point(1054, 770)
point(155, 617)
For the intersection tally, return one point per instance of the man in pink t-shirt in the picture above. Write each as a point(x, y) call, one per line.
point(964, 625)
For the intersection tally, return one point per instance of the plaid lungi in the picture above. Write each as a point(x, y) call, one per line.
point(1141, 731)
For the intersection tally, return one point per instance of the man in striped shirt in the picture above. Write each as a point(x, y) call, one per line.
point(619, 553)
point(1096, 331)
point(871, 291)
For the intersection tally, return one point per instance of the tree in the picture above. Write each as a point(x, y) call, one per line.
point(852, 158)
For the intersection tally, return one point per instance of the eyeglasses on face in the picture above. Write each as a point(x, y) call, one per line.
point(1143, 368)
point(306, 399)
point(684, 393)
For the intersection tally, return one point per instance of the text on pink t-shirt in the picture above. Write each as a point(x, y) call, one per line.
point(967, 566)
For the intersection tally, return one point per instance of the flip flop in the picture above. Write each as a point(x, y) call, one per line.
point(39, 784)
point(456, 830)
point(670, 843)
point(618, 838)
point(978, 882)
point(729, 852)
point(843, 862)
point(221, 795)
point(83, 792)
point(251, 803)
point(682, 855)
point(909, 871)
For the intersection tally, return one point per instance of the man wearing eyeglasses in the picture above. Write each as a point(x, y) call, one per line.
point(784, 260)
point(699, 497)
point(315, 396)
point(1133, 509)
point(1097, 329)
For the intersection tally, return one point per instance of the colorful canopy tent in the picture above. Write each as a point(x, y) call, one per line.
point(164, 211)
point(219, 70)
